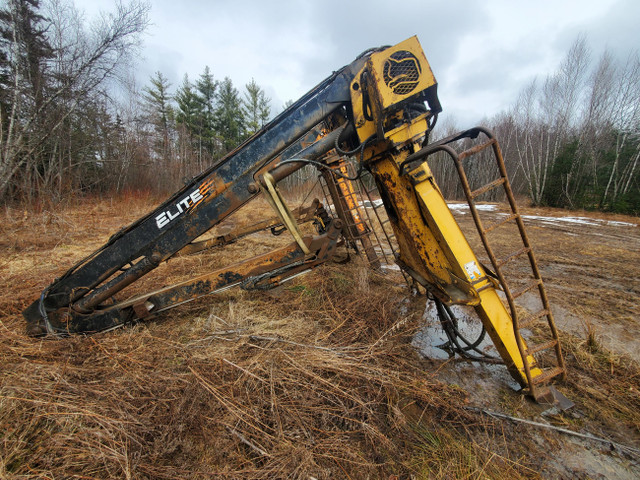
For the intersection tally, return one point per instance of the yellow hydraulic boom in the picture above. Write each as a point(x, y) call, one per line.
point(432, 248)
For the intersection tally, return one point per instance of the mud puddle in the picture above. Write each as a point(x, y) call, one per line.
point(482, 380)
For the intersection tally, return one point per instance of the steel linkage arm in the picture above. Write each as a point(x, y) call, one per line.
point(203, 203)
point(343, 111)
point(259, 272)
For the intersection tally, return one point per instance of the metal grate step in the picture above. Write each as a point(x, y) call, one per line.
point(502, 222)
point(513, 256)
point(526, 289)
point(531, 319)
point(533, 349)
point(487, 187)
point(547, 375)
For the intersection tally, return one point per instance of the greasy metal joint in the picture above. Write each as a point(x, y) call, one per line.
point(143, 309)
point(99, 295)
point(285, 167)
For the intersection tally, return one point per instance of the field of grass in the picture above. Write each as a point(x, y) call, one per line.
point(316, 379)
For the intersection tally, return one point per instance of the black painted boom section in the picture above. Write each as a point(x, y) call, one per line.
point(196, 208)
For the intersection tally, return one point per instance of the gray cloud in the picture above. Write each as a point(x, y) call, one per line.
point(482, 53)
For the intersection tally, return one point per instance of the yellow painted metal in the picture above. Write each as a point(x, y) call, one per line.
point(392, 92)
point(383, 93)
point(491, 310)
point(281, 208)
point(411, 132)
point(418, 247)
point(349, 195)
point(432, 247)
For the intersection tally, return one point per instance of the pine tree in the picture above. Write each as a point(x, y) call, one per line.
point(23, 80)
point(229, 116)
point(256, 108)
point(206, 90)
point(188, 107)
point(53, 76)
point(157, 104)
point(25, 48)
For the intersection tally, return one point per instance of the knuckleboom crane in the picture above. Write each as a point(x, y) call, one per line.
point(377, 111)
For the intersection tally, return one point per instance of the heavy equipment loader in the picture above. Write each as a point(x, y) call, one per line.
point(366, 129)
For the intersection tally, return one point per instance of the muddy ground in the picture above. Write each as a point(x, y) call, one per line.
point(321, 378)
point(590, 264)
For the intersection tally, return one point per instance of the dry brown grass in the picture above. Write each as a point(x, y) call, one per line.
point(316, 379)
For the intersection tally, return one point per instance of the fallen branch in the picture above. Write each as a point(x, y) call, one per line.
point(586, 436)
point(249, 444)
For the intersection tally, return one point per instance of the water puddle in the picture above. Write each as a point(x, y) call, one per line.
point(431, 337)
point(482, 380)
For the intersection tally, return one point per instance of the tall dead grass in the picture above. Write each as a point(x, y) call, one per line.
point(316, 379)
point(313, 380)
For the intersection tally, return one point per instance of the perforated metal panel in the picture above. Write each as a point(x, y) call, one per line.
point(401, 72)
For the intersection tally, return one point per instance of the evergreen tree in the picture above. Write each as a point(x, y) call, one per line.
point(25, 48)
point(188, 107)
point(206, 90)
point(157, 103)
point(23, 81)
point(53, 82)
point(229, 115)
point(256, 108)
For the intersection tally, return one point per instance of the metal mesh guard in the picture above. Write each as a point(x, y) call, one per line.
point(401, 72)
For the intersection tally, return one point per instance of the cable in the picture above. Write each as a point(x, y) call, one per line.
point(335, 172)
point(449, 324)
point(346, 152)
point(51, 330)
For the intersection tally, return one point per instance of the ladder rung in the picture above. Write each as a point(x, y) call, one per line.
point(541, 346)
point(476, 149)
point(529, 287)
point(547, 375)
point(512, 256)
point(501, 222)
point(487, 187)
point(532, 318)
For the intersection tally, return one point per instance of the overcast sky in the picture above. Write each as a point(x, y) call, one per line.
point(481, 52)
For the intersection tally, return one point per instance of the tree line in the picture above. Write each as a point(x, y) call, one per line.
point(200, 122)
point(573, 137)
point(72, 120)
point(56, 74)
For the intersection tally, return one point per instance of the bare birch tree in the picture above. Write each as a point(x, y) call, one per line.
point(83, 64)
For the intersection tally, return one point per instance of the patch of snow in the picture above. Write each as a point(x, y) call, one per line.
point(392, 266)
point(374, 204)
point(462, 208)
point(620, 224)
point(575, 220)
point(592, 222)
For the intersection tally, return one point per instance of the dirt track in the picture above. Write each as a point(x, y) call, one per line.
point(591, 267)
